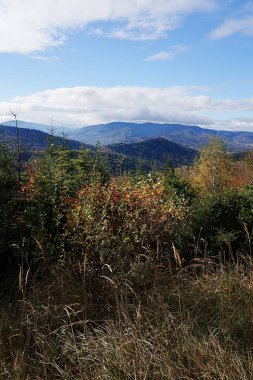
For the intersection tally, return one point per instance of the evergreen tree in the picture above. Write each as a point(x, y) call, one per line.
point(8, 191)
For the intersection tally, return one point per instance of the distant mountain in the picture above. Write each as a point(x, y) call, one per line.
point(39, 127)
point(190, 136)
point(33, 139)
point(157, 150)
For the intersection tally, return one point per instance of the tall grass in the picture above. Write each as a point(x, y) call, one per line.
point(193, 324)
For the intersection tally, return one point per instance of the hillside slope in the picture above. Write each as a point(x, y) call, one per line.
point(34, 139)
point(158, 150)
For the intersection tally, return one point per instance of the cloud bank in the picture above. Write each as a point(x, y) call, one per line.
point(80, 106)
point(34, 25)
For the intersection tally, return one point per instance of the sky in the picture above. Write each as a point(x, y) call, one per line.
point(75, 63)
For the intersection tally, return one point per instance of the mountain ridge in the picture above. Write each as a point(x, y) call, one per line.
point(190, 136)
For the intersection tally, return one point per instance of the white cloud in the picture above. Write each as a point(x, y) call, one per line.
point(234, 124)
point(239, 22)
point(146, 29)
point(80, 106)
point(242, 26)
point(43, 58)
point(169, 54)
point(34, 25)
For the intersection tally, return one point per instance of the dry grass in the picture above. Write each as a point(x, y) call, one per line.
point(196, 324)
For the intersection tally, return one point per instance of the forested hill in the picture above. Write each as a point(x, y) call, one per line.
point(158, 150)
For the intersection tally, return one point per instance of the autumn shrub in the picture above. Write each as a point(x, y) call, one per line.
point(126, 219)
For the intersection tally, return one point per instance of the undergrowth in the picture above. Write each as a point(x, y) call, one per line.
point(142, 276)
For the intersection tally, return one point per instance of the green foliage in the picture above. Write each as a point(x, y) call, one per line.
point(101, 167)
point(51, 186)
point(8, 191)
point(175, 185)
point(214, 224)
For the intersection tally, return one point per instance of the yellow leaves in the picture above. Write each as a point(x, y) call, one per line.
point(213, 171)
point(78, 208)
point(143, 194)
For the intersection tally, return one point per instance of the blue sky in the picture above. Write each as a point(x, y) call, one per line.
point(83, 62)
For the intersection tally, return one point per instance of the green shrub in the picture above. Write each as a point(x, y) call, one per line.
point(214, 224)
